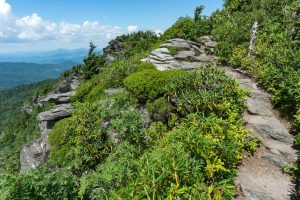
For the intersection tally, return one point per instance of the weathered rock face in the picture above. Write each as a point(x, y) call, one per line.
point(36, 153)
point(64, 91)
point(59, 112)
point(111, 50)
point(183, 54)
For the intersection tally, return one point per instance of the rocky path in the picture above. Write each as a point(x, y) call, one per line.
point(261, 177)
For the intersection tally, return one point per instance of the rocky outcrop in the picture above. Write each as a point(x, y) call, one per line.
point(261, 176)
point(36, 153)
point(112, 50)
point(64, 91)
point(183, 54)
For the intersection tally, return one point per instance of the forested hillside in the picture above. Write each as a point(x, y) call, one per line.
point(16, 74)
point(18, 121)
point(13, 100)
point(140, 133)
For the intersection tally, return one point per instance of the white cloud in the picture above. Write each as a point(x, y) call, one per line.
point(68, 29)
point(5, 10)
point(158, 31)
point(132, 29)
point(34, 30)
point(28, 35)
point(33, 21)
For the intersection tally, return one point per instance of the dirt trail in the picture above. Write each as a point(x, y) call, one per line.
point(261, 176)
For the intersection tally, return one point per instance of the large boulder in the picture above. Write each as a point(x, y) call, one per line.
point(55, 114)
point(183, 54)
point(34, 154)
point(37, 152)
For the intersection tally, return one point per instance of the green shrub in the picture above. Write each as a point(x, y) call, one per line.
point(116, 72)
point(92, 65)
point(196, 160)
point(144, 66)
point(96, 93)
point(134, 43)
point(188, 28)
point(154, 133)
point(86, 139)
point(207, 90)
point(40, 184)
point(239, 53)
point(297, 124)
point(83, 90)
point(117, 169)
point(160, 110)
point(149, 84)
point(287, 97)
point(111, 76)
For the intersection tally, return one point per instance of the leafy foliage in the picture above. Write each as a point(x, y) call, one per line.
point(188, 28)
point(86, 139)
point(41, 184)
point(149, 84)
point(195, 160)
point(132, 44)
point(144, 66)
point(161, 110)
point(92, 65)
point(205, 90)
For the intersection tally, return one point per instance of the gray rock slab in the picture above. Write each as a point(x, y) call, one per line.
point(185, 54)
point(59, 112)
point(270, 127)
point(113, 91)
point(34, 154)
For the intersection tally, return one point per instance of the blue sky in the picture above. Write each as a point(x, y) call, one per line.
point(27, 25)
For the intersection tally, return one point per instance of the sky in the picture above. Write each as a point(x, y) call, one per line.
point(35, 25)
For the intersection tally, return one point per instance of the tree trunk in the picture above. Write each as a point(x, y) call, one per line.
point(253, 39)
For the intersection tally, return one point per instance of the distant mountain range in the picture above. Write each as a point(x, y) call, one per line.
point(16, 74)
point(25, 68)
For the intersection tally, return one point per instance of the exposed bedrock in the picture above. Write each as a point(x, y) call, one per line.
point(36, 153)
point(183, 54)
